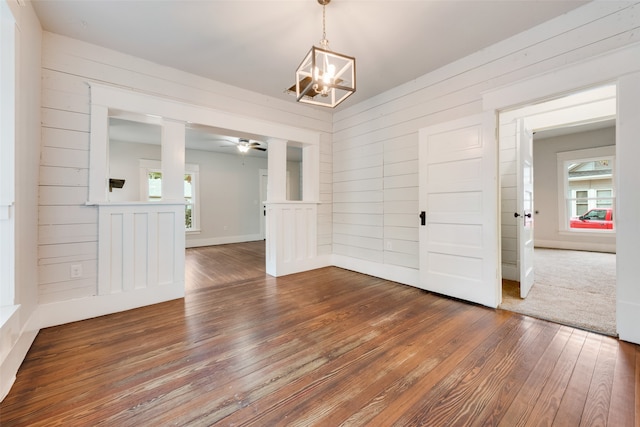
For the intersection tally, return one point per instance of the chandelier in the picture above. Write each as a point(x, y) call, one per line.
point(325, 77)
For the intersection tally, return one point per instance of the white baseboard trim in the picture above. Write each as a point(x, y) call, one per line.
point(404, 275)
point(15, 345)
point(58, 313)
point(627, 321)
point(10, 366)
point(510, 272)
point(293, 267)
point(576, 246)
point(212, 241)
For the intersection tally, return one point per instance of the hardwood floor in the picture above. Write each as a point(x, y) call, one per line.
point(323, 348)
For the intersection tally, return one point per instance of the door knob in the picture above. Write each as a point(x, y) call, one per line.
point(527, 215)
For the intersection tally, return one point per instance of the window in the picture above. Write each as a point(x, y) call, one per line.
point(604, 198)
point(582, 202)
point(152, 190)
point(586, 183)
point(154, 185)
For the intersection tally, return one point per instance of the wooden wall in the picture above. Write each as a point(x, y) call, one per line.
point(67, 228)
point(375, 143)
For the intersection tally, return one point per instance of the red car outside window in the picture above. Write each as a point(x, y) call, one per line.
point(599, 218)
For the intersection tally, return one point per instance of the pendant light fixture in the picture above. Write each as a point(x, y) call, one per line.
point(324, 77)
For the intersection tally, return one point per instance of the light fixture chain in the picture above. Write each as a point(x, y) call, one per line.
point(324, 30)
point(324, 41)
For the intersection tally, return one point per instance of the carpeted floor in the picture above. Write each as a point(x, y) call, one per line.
point(574, 288)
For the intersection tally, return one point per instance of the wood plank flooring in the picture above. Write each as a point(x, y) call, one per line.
point(328, 347)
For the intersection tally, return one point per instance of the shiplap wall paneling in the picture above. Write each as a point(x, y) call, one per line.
point(67, 231)
point(96, 63)
point(325, 210)
point(400, 201)
point(456, 90)
point(67, 67)
point(591, 30)
point(460, 84)
point(358, 199)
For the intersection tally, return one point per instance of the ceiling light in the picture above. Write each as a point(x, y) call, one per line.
point(243, 148)
point(324, 77)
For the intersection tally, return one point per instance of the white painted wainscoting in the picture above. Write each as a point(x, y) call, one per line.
point(292, 234)
point(140, 262)
point(141, 247)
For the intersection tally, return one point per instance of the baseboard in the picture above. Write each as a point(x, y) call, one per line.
point(61, 312)
point(577, 246)
point(212, 241)
point(510, 272)
point(627, 321)
point(15, 345)
point(293, 267)
point(404, 275)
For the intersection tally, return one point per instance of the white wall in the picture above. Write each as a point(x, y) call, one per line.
point(17, 338)
point(229, 194)
point(375, 142)
point(546, 191)
point(68, 227)
point(124, 163)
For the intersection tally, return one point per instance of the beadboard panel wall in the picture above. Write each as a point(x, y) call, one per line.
point(375, 142)
point(68, 229)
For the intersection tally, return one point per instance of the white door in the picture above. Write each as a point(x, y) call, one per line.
point(458, 197)
point(524, 206)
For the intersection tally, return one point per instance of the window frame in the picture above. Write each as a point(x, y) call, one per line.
point(191, 169)
point(567, 197)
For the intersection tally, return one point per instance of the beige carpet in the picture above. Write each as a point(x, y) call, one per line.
point(573, 288)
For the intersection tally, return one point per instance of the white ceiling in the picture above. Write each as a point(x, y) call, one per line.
point(257, 44)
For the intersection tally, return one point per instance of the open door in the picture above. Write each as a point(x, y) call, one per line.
point(458, 198)
point(262, 212)
point(524, 206)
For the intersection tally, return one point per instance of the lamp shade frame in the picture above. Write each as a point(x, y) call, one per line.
point(341, 86)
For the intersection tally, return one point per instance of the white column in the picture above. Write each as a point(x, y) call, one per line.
point(99, 154)
point(173, 136)
point(292, 226)
point(310, 173)
point(277, 174)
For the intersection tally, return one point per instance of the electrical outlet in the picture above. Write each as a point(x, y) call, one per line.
point(76, 271)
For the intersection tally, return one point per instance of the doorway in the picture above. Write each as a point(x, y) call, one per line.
point(572, 125)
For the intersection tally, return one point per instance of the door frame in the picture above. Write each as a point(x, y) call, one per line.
point(623, 67)
point(583, 106)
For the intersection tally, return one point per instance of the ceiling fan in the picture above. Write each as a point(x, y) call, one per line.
point(244, 145)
